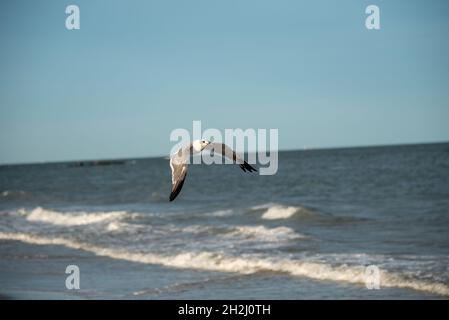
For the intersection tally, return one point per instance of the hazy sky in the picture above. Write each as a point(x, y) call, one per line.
point(138, 69)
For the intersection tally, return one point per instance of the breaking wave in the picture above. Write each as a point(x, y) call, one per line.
point(273, 211)
point(279, 212)
point(116, 222)
point(71, 218)
point(242, 265)
point(266, 234)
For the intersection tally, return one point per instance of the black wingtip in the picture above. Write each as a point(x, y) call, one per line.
point(174, 193)
point(246, 166)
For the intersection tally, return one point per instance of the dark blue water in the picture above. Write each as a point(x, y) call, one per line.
point(324, 217)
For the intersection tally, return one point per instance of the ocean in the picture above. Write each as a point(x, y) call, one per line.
point(308, 232)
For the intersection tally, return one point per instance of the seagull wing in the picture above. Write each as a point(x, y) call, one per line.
point(178, 165)
point(227, 152)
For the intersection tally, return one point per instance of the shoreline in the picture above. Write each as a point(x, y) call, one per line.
point(38, 272)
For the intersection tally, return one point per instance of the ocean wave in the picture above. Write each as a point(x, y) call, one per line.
point(117, 222)
point(123, 227)
point(71, 218)
point(220, 213)
point(266, 234)
point(274, 211)
point(239, 232)
point(194, 229)
point(244, 264)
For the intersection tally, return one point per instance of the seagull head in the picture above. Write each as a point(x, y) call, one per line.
point(204, 143)
point(199, 145)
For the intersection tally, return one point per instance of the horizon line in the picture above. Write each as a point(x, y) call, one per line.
point(304, 148)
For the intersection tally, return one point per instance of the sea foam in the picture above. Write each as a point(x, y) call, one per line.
point(71, 218)
point(274, 211)
point(242, 264)
point(266, 234)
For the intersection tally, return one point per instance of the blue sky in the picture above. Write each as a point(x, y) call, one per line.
point(136, 70)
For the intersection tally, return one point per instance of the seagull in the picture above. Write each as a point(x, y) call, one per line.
point(178, 161)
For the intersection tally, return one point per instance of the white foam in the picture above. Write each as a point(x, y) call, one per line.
point(244, 265)
point(261, 233)
point(194, 229)
point(220, 213)
point(116, 226)
point(71, 218)
point(279, 212)
point(266, 234)
point(264, 206)
point(274, 211)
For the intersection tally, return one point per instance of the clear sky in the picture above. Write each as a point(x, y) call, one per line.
point(138, 69)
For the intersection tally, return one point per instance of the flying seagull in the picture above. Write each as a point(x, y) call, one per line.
point(178, 161)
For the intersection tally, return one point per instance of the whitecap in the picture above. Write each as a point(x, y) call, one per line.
point(279, 212)
point(274, 211)
point(71, 218)
point(266, 234)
